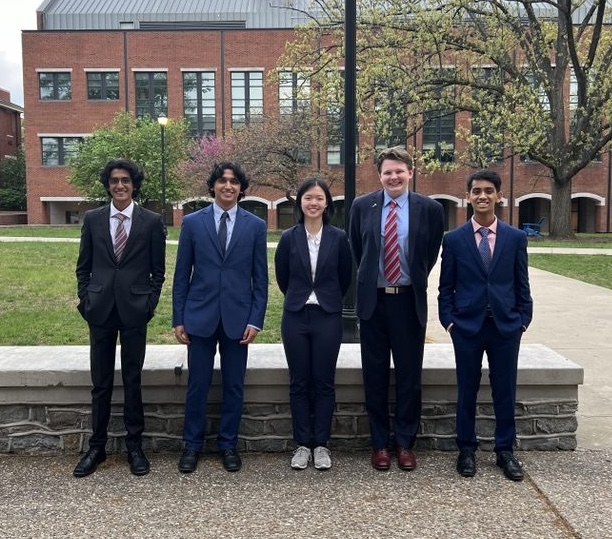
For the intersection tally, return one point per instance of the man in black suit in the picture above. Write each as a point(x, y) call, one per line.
point(120, 272)
point(395, 235)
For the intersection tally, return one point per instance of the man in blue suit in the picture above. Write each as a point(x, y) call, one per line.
point(485, 304)
point(392, 299)
point(219, 297)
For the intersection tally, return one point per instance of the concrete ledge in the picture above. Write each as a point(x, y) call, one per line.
point(45, 398)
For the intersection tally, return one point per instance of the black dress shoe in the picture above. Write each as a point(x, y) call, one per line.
point(188, 461)
point(511, 466)
point(231, 460)
point(88, 464)
point(466, 463)
point(139, 464)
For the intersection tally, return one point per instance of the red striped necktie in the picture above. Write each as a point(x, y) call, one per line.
point(120, 236)
point(392, 258)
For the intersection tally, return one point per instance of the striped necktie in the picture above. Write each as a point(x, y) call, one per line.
point(120, 236)
point(392, 258)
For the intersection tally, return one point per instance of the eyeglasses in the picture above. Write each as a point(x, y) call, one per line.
point(124, 181)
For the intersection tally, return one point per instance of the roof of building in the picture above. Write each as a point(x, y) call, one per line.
point(171, 14)
point(10, 106)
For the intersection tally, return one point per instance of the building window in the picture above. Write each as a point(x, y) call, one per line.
point(151, 94)
point(391, 125)
point(55, 86)
point(102, 86)
point(293, 92)
point(247, 97)
point(439, 135)
point(57, 151)
point(335, 135)
point(199, 102)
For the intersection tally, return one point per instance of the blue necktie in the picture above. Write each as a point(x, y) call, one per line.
point(223, 231)
point(483, 248)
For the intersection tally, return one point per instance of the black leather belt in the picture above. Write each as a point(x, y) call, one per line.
point(394, 289)
point(313, 307)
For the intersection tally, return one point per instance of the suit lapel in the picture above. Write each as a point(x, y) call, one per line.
point(415, 208)
point(375, 216)
point(324, 249)
point(301, 242)
point(208, 220)
point(467, 232)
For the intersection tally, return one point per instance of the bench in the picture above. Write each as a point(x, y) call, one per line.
point(45, 400)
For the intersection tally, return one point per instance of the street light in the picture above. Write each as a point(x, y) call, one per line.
point(163, 120)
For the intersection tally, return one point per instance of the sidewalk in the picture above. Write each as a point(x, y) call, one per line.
point(564, 494)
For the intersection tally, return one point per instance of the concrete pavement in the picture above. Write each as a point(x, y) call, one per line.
point(564, 495)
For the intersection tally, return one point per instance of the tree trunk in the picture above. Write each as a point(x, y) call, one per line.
point(561, 208)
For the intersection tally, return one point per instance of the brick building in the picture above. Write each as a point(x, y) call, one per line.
point(207, 60)
point(10, 126)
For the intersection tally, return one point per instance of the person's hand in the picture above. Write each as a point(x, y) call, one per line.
point(249, 335)
point(181, 336)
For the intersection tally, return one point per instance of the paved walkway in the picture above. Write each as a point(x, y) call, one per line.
point(564, 495)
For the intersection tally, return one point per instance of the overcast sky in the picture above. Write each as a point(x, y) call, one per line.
point(20, 16)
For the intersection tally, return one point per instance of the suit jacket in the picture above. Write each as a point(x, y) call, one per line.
point(466, 288)
point(426, 228)
point(134, 283)
point(209, 288)
point(332, 275)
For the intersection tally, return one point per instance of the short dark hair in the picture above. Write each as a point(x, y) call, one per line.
point(306, 186)
point(488, 175)
point(397, 153)
point(136, 175)
point(217, 173)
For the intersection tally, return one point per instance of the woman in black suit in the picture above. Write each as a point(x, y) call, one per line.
point(313, 270)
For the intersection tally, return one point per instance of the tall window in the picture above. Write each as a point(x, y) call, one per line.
point(151, 94)
point(247, 97)
point(293, 92)
point(55, 86)
point(56, 151)
point(439, 135)
point(103, 86)
point(335, 135)
point(396, 118)
point(199, 102)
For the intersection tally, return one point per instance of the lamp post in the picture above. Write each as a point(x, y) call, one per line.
point(163, 120)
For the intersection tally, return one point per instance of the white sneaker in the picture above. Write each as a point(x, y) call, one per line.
point(301, 458)
point(322, 458)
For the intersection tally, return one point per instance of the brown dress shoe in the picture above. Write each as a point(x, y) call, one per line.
point(381, 460)
point(405, 459)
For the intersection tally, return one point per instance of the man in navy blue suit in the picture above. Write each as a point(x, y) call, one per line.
point(219, 298)
point(485, 304)
point(392, 299)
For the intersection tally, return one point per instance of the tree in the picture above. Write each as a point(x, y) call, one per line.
point(13, 182)
point(275, 152)
point(535, 76)
point(140, 141)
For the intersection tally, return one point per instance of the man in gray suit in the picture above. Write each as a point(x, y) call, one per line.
point(120, 272)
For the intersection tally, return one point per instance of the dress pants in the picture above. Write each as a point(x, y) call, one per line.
point(311, 338)
point(393, 328)
point(103, 343)
point(502, 353)
point(201, 361)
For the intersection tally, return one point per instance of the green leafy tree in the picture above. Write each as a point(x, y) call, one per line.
point(140, 141)
point(536, 77)
point(13, 183)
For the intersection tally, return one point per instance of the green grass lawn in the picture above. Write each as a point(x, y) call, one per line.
point(38, 287)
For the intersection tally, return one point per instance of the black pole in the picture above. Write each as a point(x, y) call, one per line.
point(351, 332)
point(163, 175)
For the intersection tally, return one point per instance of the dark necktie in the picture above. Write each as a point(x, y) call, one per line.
point(392, 259)
point(223, 231)
point(484, 248)
point(120, 236)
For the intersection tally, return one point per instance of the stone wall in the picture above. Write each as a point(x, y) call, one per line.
point(44, 401)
